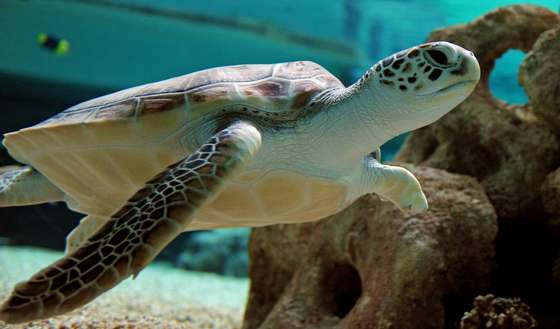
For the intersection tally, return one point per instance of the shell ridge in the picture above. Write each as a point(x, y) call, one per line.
point(189, 77)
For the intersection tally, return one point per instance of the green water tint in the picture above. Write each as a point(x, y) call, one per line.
point(185, 36)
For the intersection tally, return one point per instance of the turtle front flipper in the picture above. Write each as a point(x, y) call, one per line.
point(22, 186)
point(135, 234)
point(394, 183)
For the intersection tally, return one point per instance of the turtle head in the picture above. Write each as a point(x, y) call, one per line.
point(417, 86)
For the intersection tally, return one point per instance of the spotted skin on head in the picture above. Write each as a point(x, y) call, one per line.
point(414, 68)
point(135, 234)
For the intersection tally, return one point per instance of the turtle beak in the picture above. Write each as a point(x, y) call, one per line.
point(468, 69)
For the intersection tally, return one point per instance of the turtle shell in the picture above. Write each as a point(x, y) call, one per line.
point(101, 151)
point(274, 89)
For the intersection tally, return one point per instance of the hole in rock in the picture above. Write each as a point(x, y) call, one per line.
point(342, 289)
point(503, 79)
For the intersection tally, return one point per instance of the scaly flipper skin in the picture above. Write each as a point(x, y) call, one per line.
point(135, 234)
point(25, 186)
point(396, 184)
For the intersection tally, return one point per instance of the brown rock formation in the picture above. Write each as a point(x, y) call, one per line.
point(504, 146)
point(373, 266)
point(540, 74)
point(498, 313)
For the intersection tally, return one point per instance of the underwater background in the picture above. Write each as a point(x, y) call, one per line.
point(57, 53)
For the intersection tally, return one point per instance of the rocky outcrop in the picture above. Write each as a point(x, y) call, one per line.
point(513, 150)
point(539, 75)
point(506, 147)
point(372, 265)
point(498, 313)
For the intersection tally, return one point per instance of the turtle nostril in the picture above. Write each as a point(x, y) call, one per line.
point(438, 56)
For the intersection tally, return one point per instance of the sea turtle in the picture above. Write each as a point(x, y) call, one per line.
point(246, 145)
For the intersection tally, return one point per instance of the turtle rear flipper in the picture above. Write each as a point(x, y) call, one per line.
point(136, 233)
point(22, 186)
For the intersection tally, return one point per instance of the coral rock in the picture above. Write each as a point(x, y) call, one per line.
point(504, 146)
point(498, 313)
point(372, 265)
point(539, 74)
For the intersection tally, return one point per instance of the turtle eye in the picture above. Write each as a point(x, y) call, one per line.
point(438, 56)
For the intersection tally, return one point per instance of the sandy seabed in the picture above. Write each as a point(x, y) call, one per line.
point(160, 297)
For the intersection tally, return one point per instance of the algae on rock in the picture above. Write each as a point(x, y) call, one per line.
point(498, 313)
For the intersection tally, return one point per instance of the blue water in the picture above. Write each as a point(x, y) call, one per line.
point(121, 43)
point(503, 80)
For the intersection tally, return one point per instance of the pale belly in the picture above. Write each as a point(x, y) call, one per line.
point(258, 198)
point(253, 198)
point(98, 183)
point(99, 179)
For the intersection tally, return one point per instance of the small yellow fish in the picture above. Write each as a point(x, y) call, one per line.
point(53, 43)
